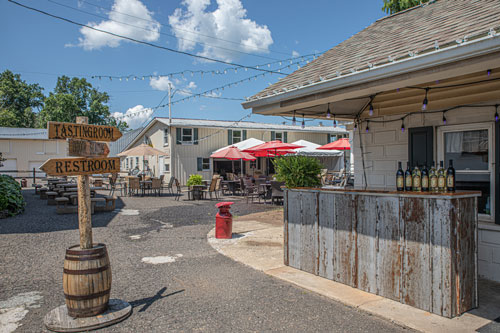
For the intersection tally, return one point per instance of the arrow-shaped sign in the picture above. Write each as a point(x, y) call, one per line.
point(80, 166)
point(84, 148)
point(59, 130)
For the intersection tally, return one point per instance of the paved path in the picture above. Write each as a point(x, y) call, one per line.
point(196, 289)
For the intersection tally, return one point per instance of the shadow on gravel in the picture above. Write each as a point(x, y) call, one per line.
point(38, 217)
point(148, 301)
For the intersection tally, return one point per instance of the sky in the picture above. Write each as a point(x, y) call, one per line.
point(220, 34)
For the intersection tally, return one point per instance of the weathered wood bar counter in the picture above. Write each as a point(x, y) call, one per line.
point(416, 248)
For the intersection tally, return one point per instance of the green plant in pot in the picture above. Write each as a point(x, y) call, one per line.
point(298, 171)
point(195, 180)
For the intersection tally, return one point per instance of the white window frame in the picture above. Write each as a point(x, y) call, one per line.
point(165, 137)
point(240, 136)
point(203, 163)
point(166, 167)
point(190, 142)
point(282, 134)
point(441, 130)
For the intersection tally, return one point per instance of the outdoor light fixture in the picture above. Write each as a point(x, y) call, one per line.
point(334, 122)
point(402, 126)
point(367, 127)
point(488, 72)
point(355, 125)
point(496, 113)
point(303, 125)
point(371, 109)
point(426, 101)
point(444, 119)
point(328, 114)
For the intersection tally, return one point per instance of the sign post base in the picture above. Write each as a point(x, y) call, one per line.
point(58, 320)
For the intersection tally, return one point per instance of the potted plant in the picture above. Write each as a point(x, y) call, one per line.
point(298, 171)
point(194, 180)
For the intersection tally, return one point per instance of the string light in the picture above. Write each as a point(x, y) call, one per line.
point(444, 118)
point(496, 112)
point(488, 72)
point(402, 126)
point(294, 121)
point(328, 115)
point(370, 112)
point(334, 122)
point(426, 101)
point(355, 125)
point(367, 126)
point(303, 125)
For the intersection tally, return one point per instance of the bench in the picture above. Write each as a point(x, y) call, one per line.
point(108, 206)
point(51, 198)
point(43, 192)
point(62, 206)
point(94, 205)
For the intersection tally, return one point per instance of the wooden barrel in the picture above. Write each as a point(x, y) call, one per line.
point(87, 280)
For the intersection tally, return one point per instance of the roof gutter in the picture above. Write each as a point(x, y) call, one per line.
point(474, 48)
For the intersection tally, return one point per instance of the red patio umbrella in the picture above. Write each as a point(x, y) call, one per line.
point(233, 153)
point(272, 149)
point(340, 144)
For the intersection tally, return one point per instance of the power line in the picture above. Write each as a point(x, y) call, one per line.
point(162, 33)
point(179, 29)
point(143, 42)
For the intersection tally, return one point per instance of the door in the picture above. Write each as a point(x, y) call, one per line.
point(420, 146)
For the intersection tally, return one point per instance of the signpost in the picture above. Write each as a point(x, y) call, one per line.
point(86, 289)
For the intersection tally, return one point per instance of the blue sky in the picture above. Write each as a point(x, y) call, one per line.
point(244, 32)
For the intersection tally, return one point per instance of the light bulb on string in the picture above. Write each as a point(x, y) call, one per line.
point(425, 101)
point(328, 114)
point(370, 111)
point(402, 125)
point(367, 126)
point(488, 72)
point(303, 125)
point(496, 112)
point(444, 119)
point(334, 122)
point(294, 120)
point(355, 125)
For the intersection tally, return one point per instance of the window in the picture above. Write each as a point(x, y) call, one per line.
point(470, 148)
point(237, 136)
point(253, 164)
point(165, 137)
point(167, 167)
point(206, 164)
point(137, 162)
point(126, 162)
point(186, 136)
point(278, 136)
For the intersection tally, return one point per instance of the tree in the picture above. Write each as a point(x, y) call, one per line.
point(76, 97)
point(394, 6)
point(18, 101)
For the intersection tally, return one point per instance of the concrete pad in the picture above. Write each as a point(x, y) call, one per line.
point(258, 242)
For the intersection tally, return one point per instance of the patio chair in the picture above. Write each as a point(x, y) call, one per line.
point(134, 186)
point(250, 190)
point(115, 184)
point(156, 186)
point(212, 188)
point(276, 191)
point(170, 186)
point(189, 191)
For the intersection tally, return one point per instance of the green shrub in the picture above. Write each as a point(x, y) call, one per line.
point(298, 171)
point(11, 199)
point(195, 180)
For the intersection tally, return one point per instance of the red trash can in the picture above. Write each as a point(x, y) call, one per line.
point(224, 221)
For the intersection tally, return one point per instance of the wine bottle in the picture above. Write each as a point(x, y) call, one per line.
point(417, 179)
point(433, 178)
point(450, 178)
point(400, 178)
point(441, 178)
point(408, 178)
point(425, 179)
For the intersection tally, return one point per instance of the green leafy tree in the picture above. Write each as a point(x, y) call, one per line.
point(394, 6)
point(76, 97)
point(18, 101)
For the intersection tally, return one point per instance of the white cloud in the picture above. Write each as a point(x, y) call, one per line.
point(191, 85)
point(135, 116)
point(161, 83)
point(228, 22)
point(139, 20)
point(295, 54)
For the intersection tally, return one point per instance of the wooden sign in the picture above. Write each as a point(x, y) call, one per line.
point(84, 148)
point(80, 166)
point(59, 130)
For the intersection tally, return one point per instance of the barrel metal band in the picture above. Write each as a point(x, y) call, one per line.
point(86, 258)
point(101, 247)
point(85, 271)
point(87, 297)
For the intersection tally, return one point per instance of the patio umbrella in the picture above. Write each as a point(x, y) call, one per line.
point(142, 150)
point(232, 153)
point(272, 149)
point(340, 144)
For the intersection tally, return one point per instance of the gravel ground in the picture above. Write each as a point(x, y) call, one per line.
point(201, 290)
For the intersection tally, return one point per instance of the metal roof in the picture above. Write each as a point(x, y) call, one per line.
point(119, 145)
point(23, 133)
point(422, 29)
point(183, 122)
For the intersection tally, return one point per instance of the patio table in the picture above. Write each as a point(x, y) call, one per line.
point(231, 184)
point(265, 188)
point(145, 184)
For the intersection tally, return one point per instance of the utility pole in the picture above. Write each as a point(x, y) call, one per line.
point(172, 140)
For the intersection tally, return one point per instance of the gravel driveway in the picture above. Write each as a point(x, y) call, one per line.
point(163, 266)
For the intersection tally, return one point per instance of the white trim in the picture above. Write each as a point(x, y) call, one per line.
point(487, 225)
point(441, 130)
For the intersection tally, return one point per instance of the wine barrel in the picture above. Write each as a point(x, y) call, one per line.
point(87, 280)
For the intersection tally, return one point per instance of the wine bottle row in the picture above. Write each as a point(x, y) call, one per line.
point(421, 179)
